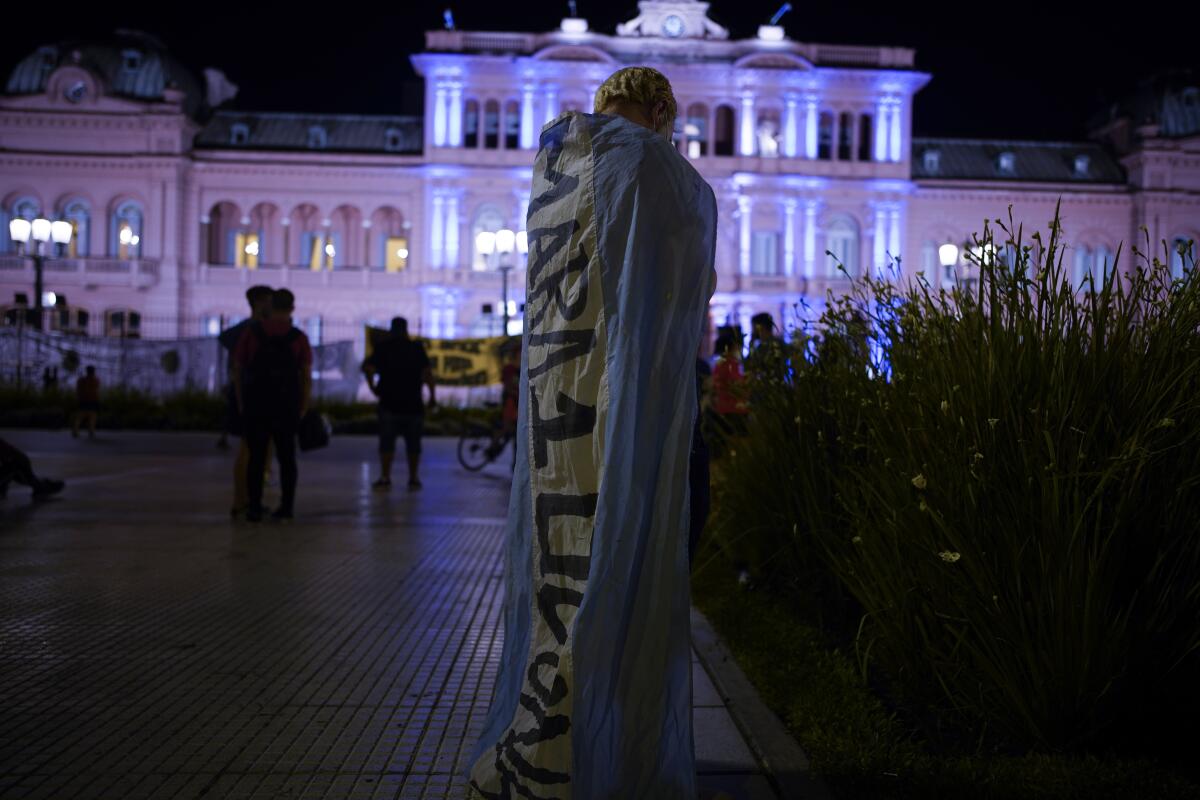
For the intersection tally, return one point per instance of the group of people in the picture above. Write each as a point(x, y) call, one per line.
point(269, 392)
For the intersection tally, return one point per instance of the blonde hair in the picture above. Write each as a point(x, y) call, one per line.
point(641, 86)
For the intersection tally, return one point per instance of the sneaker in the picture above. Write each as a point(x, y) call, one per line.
point(45, 488)
point(382, 483)
point(254, 514)
point(281, 515)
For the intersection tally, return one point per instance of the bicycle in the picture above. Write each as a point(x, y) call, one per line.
point(481, 445)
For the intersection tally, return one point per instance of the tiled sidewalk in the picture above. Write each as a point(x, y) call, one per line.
point(151, 648)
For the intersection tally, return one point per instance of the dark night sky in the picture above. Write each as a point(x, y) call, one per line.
point(1003, 69)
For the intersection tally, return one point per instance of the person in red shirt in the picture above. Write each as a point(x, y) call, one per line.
point(87, 392)
point(273, 385)
point(729, 391)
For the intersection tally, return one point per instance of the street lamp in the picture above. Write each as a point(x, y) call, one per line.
point(43, 232)
point(948, 256)
point(504, 242)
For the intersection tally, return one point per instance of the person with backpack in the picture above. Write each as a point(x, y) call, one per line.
point(273, 385)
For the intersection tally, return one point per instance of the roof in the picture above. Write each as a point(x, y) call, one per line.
point(132, 64)
point(348, 133)
point(1057, 162)
point(1169, 100)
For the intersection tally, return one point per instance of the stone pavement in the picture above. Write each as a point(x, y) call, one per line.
point(149, 647)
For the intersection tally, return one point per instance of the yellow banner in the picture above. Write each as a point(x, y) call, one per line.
point(455, 362)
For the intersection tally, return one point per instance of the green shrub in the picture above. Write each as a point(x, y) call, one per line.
point(1004, 481)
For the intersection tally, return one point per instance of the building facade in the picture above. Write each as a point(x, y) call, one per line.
point(177, 206)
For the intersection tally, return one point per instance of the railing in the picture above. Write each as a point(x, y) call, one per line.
point(140, 273)
point(301, 277)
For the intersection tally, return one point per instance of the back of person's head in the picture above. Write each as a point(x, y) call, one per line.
point(256, 294)
point(763, 325)
point(725, 344)
point(91, 372)
point(399, 327)
point(644, 87)
point(283, 300)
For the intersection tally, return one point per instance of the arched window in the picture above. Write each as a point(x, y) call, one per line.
point(123, 323)
point(393, 140)
point(1179, 247)
point(841, 240)
point(471, 124)
point(767, 132)
point(76, 212)
point(239, 133)
point(865, 140)
point(512, 125)
point(1103, 259)
point(125, 232)
point(488, 218)
point(825, 136)
point(318, 138)
point(845, 136)
point(723, 133)
point(491, 125)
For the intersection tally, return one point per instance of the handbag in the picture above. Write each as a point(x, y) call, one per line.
point(314, 431)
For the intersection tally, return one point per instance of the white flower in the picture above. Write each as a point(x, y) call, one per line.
point(857, 540)
point(949, 557)
point(919, 481)
point(945, 407)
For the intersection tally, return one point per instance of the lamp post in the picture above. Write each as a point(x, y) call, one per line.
point(503, 242)
point(948, 256)
point(43, 232)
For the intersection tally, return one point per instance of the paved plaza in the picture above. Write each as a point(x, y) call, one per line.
point(150, 647)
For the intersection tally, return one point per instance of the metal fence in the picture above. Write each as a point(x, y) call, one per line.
point(161, 356)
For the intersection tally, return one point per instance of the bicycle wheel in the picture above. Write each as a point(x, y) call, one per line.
point(473, 448)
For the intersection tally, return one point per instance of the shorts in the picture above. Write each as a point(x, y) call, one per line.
point(392, 425)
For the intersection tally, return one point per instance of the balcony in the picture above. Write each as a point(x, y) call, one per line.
point(90, 273)
point(353, 277)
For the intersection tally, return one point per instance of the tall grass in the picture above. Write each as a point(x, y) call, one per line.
point(1004, 478)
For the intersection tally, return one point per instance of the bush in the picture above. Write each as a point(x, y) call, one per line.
point(1003, 482)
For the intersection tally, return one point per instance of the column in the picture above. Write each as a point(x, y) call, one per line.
point(879, 242)
point(364, 256)
point(456, 110)
point(895, 139)
point(810, 239)
point(745, 211)
point(439, 116)
point(789, 237)
point(790, 124)
point(551, 98)
point(452, 231)
point(747, 125)
point(855, 133)
point(205, 239)
point(527, 132)
point(881, 131)
point(811, 119)
point(437, 232)
point(894, 232)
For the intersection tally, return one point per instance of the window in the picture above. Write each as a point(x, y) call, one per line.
point(766, 133)
point(246, 249)
point(318, 139)
point(126, 232)
point(723, 143)
point(932, 159)
point(471, 124)
point(865, 140)
point(1103, 261)
point(26, 208)
point(76, 213)
point(695, 128)
point(396, 253)
point(239, 133)
point(491, 125)
point(1178, 264)
point(131, 60)
point(1006, 163)
point(1082, 165)
point(825, 136)
point(122, 323)
point(321, 250)
point(929, 262)
point(845, 136)
point(393, 140)
point(512, 125)
point(764, 253)
point(841, 240)
point(490, 219)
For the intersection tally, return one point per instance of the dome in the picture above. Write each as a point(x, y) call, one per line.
point(131, 64)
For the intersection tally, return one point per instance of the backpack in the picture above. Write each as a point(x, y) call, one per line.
point(273, 375)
